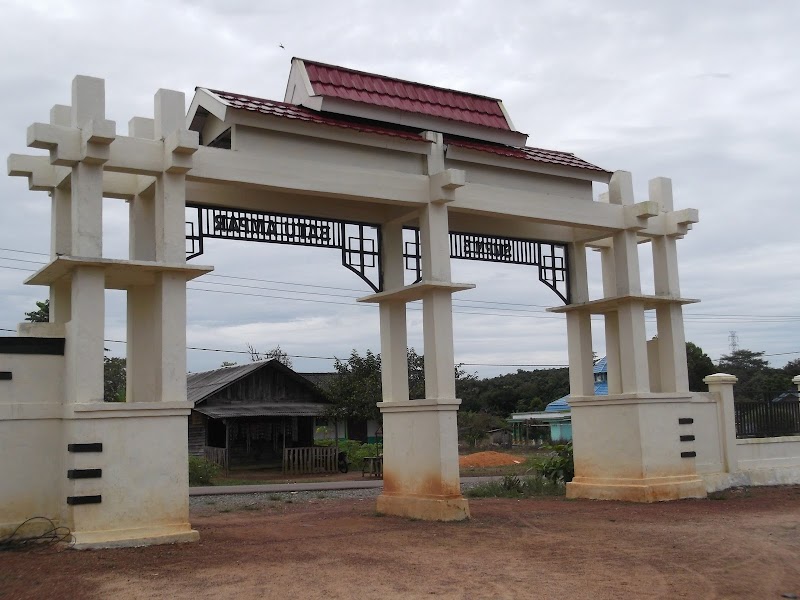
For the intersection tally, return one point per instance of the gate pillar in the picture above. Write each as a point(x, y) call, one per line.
point(116, 471)
point(631, 443)
point(420, 460)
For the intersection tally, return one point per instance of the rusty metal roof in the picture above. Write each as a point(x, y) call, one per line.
point(300, 113)
point(200, 386)
point(556, 157)
point(389, 92)
point(281, 409)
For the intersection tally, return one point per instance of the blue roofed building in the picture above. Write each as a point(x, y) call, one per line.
point(557, 414)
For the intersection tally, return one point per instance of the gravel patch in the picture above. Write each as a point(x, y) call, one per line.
point(257, 500)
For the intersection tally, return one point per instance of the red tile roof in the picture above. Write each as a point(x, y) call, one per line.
point(565, 159)
point(291, 111)
point(369, 88)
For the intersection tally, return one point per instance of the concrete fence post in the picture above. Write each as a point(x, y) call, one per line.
point(796, 381)
point(721, 385)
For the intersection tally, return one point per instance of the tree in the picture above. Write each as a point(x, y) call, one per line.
point(276, 353)
point(356, 389)
point(513, 392)
point(792, 368)
point(757, 380)
point(743, 363)
point(114, 379)
point(699, 365)
point(473, 426)
point(41, 315)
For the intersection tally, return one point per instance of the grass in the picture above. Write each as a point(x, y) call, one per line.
point(512, 486)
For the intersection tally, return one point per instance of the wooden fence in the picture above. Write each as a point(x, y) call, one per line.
point(310, 460)
point(218, 456)
point(767, 419)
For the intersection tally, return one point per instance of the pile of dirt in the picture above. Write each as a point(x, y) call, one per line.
point(488, 459)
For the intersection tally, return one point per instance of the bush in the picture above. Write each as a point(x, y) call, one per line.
point(356, 451)
point(202, 471)
point(560, 465)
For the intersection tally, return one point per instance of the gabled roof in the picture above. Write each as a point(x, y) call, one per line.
point(200, 386)
point(390, 92)
point(292, 111)
point(331, 89)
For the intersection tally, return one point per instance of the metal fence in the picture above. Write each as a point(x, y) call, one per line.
point(768, 419)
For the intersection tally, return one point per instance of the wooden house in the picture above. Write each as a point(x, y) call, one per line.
point(253, 413)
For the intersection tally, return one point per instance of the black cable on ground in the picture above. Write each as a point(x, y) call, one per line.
point(53, 535)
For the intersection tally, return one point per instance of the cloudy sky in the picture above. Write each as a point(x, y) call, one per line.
point(707, 93)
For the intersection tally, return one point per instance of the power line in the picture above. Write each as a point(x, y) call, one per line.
point(229, 351)
point(689, 317)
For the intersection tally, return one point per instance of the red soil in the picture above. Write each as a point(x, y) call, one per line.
point(489, 459)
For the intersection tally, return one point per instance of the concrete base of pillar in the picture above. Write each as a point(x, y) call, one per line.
point(420, 461)
point(426, 509)
point(653, 489)
point(636, 447)
point(130, 538)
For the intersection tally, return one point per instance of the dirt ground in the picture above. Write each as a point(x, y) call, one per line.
point(746, 544)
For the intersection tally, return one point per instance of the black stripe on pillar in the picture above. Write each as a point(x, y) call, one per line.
point(74, 500)
point(84, 473)
point(94, 447)
point(5, 375)
point(685, 421)
point(687, 438)
point(691, 454)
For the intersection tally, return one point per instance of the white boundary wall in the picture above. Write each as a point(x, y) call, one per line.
point(756, 461)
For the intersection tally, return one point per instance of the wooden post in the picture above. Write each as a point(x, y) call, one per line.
point(227, 446)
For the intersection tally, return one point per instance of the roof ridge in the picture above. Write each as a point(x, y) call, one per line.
point(408, 81)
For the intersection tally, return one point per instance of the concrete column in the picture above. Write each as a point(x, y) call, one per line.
point(674, 373)
point(437, 305)
point(796, 381)
point(634, 371)
point(88, 105)
point(170, 319)
point(394, 332)
point(579, 326)
point(142, 346)
point(170, 195)
point(611, 322)
point(84, 347)
point(60, 230)
point(141, 359)
point(721, 385)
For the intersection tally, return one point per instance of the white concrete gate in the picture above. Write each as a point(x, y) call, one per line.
point(462, 185)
